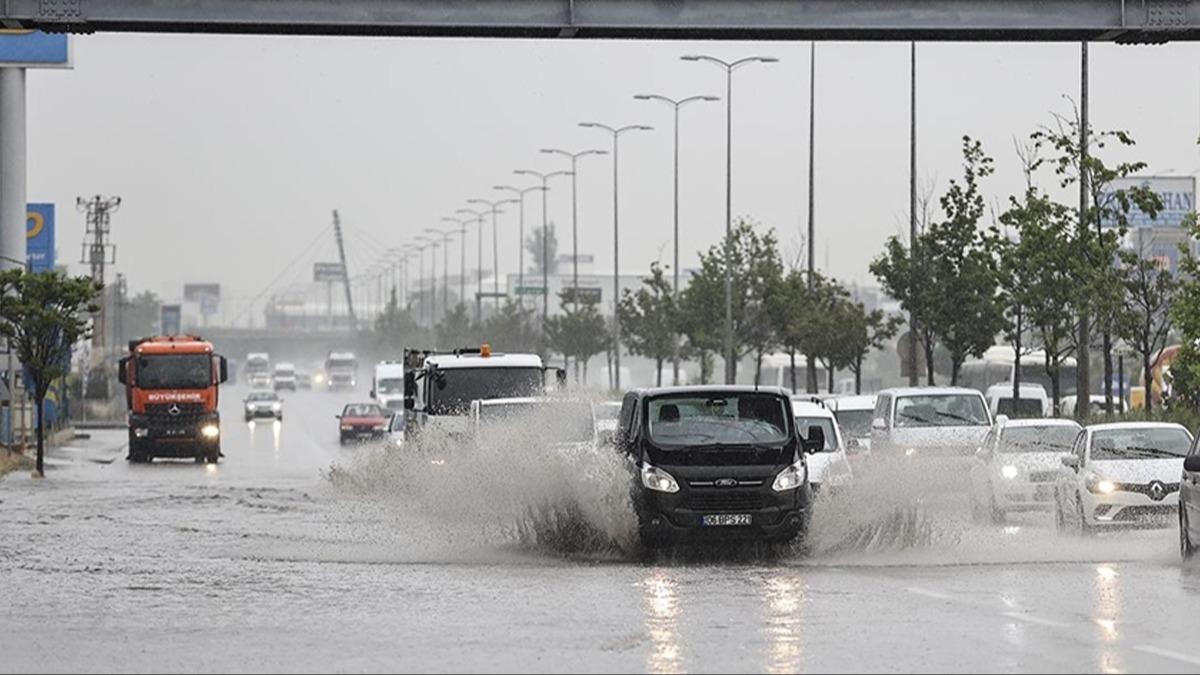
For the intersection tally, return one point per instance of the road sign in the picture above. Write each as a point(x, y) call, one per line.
point(39, 237)
point(584, 295)
point(34, 49)
point(530, 290)
point(171, 319)
point(207, 295)
point(325, 271)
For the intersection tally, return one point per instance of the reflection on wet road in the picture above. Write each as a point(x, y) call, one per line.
point(260, 564)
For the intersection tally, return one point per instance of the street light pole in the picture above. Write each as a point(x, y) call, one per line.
point(479, 262)
point(494, 209)
point(574, 173)
point(675, 104)
point(445, 235)
point(729, 67)
point(521, 192)
point(462, 258)
point(545, 178)
point(616, 132)
point(432, 244)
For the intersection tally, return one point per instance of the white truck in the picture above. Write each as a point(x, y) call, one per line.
point(439, 387)
point(341, 371)
point(284, 376)
point(387, 387)
point(258, 370)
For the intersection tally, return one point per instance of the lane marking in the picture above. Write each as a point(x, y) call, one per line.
point(1029, 618)
point(1168, 654)
point(929, 594)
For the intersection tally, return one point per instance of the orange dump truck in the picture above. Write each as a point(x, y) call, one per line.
point(171, 388)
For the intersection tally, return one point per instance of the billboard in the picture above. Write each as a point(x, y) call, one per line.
point(171, 319)
point(585, 295)
point(207, 295)
point(39, 237)
point(1177, 194)
point(328, 272)
point(34, 49)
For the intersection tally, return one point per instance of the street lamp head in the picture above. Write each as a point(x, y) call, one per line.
point(592, 125)
point(691, 57)
point(646, 97)
point(641, 127)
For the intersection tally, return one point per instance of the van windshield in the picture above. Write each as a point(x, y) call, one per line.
point(391, 385)
point(1029, 407)
point(941, 410)
point(857, 423)
point(680, 422)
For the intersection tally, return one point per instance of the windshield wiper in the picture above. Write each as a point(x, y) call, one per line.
point(1150, 452)
point(960, 418)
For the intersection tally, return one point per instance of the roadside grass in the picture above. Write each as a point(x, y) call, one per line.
point(10, 461)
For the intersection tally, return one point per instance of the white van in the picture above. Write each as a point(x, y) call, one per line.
point(387, 387)
point(1034, 401)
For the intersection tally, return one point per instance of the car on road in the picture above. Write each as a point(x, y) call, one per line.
point(1189, 504)
point(829, 467)
point(716, 462)
point(284, 377)
point(395, 432)
point(362, 421)
point(607, 413)
point(260, 404)
point(1122, 474)
point(936, 422)
point(1018, 466)
point(555, 423)
point(1033, 402)
point(854, 415)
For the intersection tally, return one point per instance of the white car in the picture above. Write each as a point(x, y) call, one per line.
point(1034, 401)
point(853, 414)
point(1122, 474)
point(828, 468)
point(945, 424)
point(1018, 466)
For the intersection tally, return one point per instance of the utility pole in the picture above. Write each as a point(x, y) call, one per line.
point(913, 375)
point(119, 290)
point(96, 251)
point(811, 384)
point(1083, 372)
point(337, 233)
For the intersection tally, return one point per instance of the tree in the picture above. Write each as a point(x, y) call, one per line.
point(650, 319)
point(43, 315)
point(792, 313)
point(1185, 314)
point(533, 244)
point(1105, 208)
point(455, 329)
point(756, 272)
point(966, 315)
point(863, 332)
point(512, 329)
point(1148, 291)
point(907, 277)
point(396, 326)
point(579, 333)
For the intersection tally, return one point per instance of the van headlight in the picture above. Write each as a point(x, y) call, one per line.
point(210, 431)
point(276, 407)
point(790, 478)
point(1010, 472)
point(658, 480)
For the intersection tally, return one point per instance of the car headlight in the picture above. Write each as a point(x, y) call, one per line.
point(909, 452)
point(1100, 486)
point(380, 427)
point(277, 406)
point(790, 478)
point(141, 432)
point(210, 431)
point(1009, 472)
point(658, 480)
point(346, 427)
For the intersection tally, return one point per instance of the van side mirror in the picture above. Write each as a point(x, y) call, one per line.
point(372, 394)
point(222, 369)
point(814, 441)
point(122, 366)
point(1071, 462)
point(1001, 419)
point(1192, 464)
point(878, 424)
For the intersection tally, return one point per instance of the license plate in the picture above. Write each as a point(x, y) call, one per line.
point(174, 432)
point(1044, 493)
point(726, 520)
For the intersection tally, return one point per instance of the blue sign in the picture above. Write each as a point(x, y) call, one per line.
point(1176, 194)
point(35, 48)
point(39, 237)
point(171, 319)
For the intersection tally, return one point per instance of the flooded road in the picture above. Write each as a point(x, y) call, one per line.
point(263, 563)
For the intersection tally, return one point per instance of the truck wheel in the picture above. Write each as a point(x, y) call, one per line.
point(213, 458)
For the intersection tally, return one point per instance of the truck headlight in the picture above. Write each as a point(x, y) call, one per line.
point(276, 407)
point(658, 480)
point(790, 478)
point(1010, 472)
point(141, 432)
point(210, 431)
point(380, 427)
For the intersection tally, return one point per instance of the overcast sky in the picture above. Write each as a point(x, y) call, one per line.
point(231, 151)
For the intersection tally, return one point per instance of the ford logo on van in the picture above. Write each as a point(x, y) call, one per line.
point(727, 482)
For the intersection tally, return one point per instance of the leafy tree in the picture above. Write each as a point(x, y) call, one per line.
point(396, 326)
point(1148, 290)
point(578, 333)
point(793, 312)
point(861, 333)
point(650, 319)
point(756, 272)
point(533, 244)
point(456, 330)
point(966, 314)
point(1093, 299)
point(43, 315)
point(1185, 314)
point(512, 329)
point(907, 277)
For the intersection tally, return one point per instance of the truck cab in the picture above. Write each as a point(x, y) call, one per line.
point(440, 386)
point(171, 388)
point(284, 376)
point(341, 371)
point(258, 370)
point(387, 387)
point(717, 463)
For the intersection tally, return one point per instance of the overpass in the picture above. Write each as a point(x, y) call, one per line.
point(1129, 21)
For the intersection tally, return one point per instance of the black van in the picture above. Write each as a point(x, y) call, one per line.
point(717, 462)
